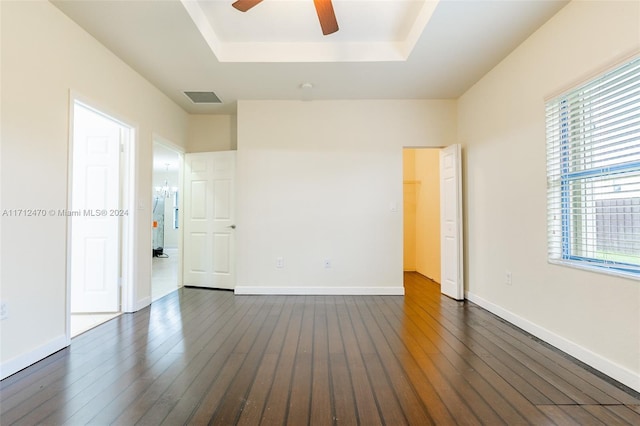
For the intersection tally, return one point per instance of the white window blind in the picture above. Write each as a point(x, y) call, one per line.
point(593, 172)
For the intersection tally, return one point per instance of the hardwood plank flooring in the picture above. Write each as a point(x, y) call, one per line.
point(202, 356)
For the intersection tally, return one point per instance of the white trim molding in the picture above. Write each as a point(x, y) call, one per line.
point(141, 304)
point(320, 291)
point(604, 365)
point(20, 362)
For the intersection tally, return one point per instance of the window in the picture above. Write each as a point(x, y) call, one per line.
point(593, 173)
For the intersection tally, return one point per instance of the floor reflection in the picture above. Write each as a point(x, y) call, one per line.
point(164, 276)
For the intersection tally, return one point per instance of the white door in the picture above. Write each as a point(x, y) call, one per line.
point(95, 233)
point(209, 203)
point(452, 284)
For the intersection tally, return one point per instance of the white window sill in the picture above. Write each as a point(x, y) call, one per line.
point(597, 269)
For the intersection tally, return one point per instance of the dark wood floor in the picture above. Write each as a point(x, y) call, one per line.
point(209, 357)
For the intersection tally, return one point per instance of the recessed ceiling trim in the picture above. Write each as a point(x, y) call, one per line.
point(328, 50)
point(311, 52)
point(418, 26)
point(202, 23)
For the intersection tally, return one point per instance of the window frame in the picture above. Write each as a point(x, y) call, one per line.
point(561, 184)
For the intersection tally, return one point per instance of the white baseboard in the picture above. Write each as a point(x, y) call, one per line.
point(604, 365)
point(320, 291)
point(20, 362)
point(143, 303)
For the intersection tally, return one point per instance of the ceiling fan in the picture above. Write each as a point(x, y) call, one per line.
point(324, 9)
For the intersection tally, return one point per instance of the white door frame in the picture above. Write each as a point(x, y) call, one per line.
point(128, 184)
point(180, 151)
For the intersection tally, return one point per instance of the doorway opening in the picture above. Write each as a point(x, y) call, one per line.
point(100, 218)
point(421, 195)
point(449, 245)
point(433, 216)
point(166, 201)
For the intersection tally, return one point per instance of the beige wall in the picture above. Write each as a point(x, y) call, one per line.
point(409, 210)
point(310, 190)
point(428, 212)
point(212, 133)
point(44, 56)
point(502, 126)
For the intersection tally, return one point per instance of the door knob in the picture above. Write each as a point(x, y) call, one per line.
point(232, 227)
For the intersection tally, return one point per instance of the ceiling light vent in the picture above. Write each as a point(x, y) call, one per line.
point(203, 97)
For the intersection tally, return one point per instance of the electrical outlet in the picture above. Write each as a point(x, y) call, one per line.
point(508, 278)
point(4, 311)
point(279, 262)
point(327, 263)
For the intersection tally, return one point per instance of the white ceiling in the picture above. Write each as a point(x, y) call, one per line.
point(461, 41)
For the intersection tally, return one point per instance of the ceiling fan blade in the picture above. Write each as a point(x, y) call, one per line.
point(244, 5)
point(327, 16)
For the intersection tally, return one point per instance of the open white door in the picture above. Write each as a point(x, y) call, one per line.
point(452, 284)
point(95, 229)
point(209, 204)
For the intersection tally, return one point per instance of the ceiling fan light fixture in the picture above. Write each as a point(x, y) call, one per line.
point(326, 16)
point(307, 91)
point(244, 5)
point(324, 9)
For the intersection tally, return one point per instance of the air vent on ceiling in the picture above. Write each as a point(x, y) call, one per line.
point(203, 97)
